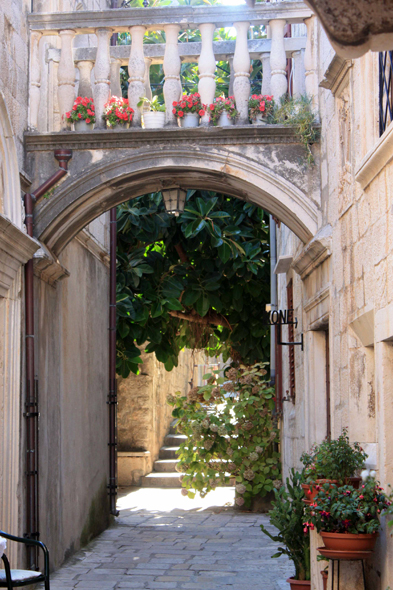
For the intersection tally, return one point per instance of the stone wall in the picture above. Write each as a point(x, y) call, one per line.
point(144, 417)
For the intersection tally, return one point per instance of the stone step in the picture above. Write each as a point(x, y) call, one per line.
point(165, 465)
point(161, 480)
point(174, 439)
point(168, 452)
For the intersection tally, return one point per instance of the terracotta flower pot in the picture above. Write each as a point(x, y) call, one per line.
point(310, 490)
point(299, 584)
point(349, 542)
point(325, 576)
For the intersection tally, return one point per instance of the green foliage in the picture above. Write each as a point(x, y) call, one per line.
point(230, 434)
point(298, 113)
point(210, 262)
point(287, 517)
point(346, 510)
point(334, 459)
point(153, 104)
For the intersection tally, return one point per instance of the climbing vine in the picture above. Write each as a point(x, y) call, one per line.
point(199, 280)
point(231, 434)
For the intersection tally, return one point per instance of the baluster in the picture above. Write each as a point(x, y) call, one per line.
point(53, 100)
point(136, 70)
point(66, 76)
point(148, 92)
point(241, 65)
point(278, 60)
point(102, 70)
point(266, 73)
point(172, 65)
point(311, 80)
point(298, 73)
point(207, 68)
point(115, 77)
point(35, 79)
point(231, 76)
point(85, 67)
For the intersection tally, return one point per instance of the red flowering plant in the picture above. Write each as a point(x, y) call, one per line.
point(347, 510)
point(117, 110)
point(83, 110)
point(189, 103)
point(222, 105)
point(260, 104)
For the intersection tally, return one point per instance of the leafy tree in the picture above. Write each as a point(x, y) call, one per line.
point(199, 280)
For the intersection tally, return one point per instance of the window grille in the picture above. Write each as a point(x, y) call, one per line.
point(385, 90)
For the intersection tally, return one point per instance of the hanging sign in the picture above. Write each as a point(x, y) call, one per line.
point(280, 317)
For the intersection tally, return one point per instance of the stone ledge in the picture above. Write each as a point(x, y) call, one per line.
point(314, 253)
point(336, 73)
point(363, 325)
point(376, 159)
point(188, 17)
point(133, 453)
point(137, 137)
point(48, 268)
point(93, 246)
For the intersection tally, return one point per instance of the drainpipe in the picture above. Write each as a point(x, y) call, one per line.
point(31, 404)
point(273, 296)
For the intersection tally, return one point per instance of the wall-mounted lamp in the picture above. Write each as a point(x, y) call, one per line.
point(174, 200)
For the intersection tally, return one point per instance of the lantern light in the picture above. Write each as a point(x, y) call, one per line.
point(174, 200)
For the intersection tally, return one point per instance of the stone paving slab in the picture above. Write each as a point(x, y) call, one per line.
point(213, 548)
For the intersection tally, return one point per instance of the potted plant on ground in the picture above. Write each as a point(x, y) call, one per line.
point(335, 461)
point(154, 118)
point(223, 111)
point(260, 107)
point(348, 519)
point(117, 113)
point(189, 109)
point(82, 114)
point(287, 516)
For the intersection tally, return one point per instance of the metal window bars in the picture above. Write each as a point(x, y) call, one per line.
point(385, 90)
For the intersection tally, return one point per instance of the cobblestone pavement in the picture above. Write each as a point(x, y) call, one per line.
point(182, 545)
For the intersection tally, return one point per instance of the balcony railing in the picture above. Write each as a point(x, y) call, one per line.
point(88, 70)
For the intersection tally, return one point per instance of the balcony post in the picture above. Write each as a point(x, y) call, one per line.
point(66, 76)
point(278, 60)
point(298, 73)
point(241, 66)
point(35, 80)
point(207, 68)
point(115, 87)
point(136, 71)
point(172, 65)
point(311, 80)
point(266, 73)
point(85, 67)
point(148, 92)
point(101, 73)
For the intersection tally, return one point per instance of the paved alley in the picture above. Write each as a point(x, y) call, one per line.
point(164, 541)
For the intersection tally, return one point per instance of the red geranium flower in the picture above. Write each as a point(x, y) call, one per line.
point(202, 113)
point(88, 121)
point(79, 116)
point(211, 107)
point(174, 111)
point(180, 113)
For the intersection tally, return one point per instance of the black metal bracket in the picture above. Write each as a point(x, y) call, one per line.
point(301, 343)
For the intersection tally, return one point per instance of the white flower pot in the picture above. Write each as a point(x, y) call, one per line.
point(259, 120)
point(224, 120)
point(83, 126)
point(153, 120)
point(189, 120)
point(119, 125)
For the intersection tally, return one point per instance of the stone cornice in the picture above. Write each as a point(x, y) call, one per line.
point(188, 17)
point(314, 253)
point(336, 73)
point(376, 159)
point(136, 137)
point(48, 268)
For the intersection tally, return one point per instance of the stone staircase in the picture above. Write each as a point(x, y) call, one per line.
point(165, 474)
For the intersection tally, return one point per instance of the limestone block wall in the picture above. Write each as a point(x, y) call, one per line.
point(144, 417)
point(72, 357)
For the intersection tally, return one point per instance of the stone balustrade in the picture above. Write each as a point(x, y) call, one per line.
point(96, 70)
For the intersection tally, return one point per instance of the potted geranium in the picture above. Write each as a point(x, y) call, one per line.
point(260, 106)
point(82, 114)
point(334, 461)
point(117, 112)
point(348, 518)
point(154, 118)
point(223, 111)
point(287, 517)
point(189, 109)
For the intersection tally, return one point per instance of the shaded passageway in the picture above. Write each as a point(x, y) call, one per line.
point(164, 541)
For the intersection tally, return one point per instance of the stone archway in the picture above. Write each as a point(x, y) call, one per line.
point(95, 185)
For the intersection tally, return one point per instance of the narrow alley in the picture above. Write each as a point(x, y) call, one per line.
point(164, 541)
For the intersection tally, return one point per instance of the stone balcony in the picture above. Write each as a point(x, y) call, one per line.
point(71, 54)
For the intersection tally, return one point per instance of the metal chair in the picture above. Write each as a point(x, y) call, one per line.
point(16, 578)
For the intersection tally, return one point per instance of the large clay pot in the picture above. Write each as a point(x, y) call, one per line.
point(310, 490)
point(299, 584)
point(349, 542)
point(325, 576)
point(189, 120)
point(154, 119)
